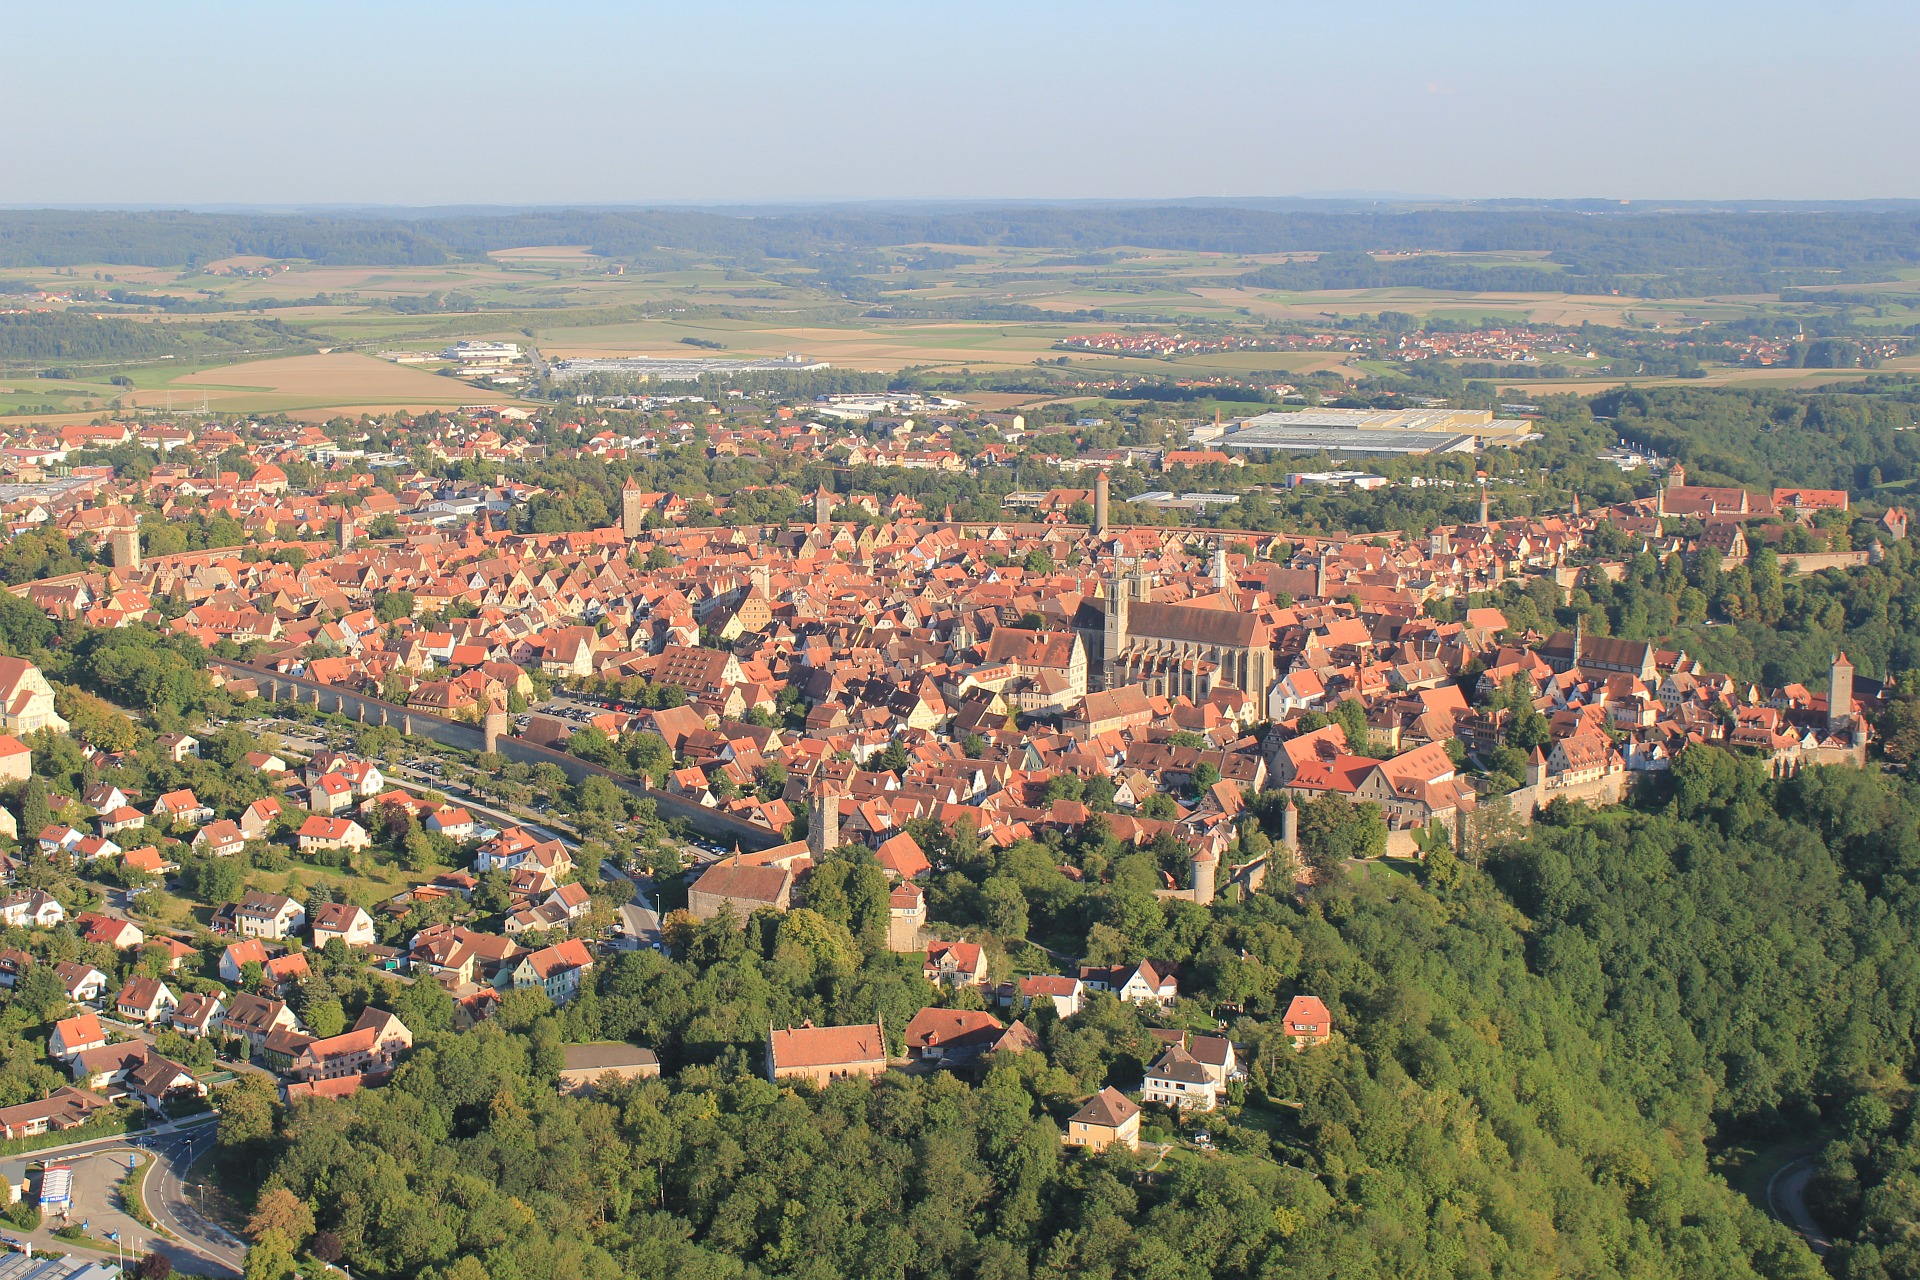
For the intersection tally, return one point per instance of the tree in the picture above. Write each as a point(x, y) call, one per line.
point(1204, 776)
point(269, 1258)
point(282, 1211)
point(325, 1017)
point(154, 1265)
point(1351, 716)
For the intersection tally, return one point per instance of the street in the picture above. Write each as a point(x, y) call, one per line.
point(98, 1168)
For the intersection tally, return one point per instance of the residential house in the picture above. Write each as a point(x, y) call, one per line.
point(1176, 1079)
point(1065, 993)
point(65, 1108)
point(955, 964)
point(16, 762)
point(181, 808)
point(237, 956)
point(369, 1048)
point(121, 935)
point(344, 921)
point(257, 821)
point(30, 908)
point(253, 1018)
point(1109, 1117)
point(197, 1014)
point(145, 1000)
point(269, 915)
point(1141, 983)
point(949, 1036)
point(26, 699)
point(1307, 1021)
point(557, 970)
point(75, 1035)
point(84, 983)
point(222, 839)
point(320, 832)
point(159, 1081)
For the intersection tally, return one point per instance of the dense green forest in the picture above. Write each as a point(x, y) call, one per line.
point(1537, 1059)
point(70, 335)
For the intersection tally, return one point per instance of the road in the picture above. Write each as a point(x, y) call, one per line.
point(638, 920)
point(1787, 1199)
point(98, 1167)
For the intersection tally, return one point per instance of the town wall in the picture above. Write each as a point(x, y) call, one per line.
point(277, 687)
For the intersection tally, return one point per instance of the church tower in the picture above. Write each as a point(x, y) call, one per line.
point(1102, 498)
point(1222, 576)
point(1114, 638)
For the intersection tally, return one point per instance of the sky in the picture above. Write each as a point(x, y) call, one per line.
point(419, 102)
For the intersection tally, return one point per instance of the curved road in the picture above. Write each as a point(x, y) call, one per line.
point(196, 1245)
point(1787, 1199)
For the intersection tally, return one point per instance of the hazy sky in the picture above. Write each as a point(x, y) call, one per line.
point(422, 102)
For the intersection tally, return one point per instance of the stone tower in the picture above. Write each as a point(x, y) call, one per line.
point(1205, 864)
point(346, 531)
point(822, 506)
point(126, 548)
point(1485, 507)
point(1222, 575)
point(1102, 497)
point(1840, 693)
point(633, 510)
point(497, 724)
point(823, 824)
point(1290, 826)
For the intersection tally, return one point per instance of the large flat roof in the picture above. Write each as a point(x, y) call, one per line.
point(1308, 438)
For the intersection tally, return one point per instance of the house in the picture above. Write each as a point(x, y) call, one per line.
point(320, 832)
point(103, 798)
point(586, 1066)
point(344, 921)
point(121, 935)
point(453, 822)
point(459, 956)
point(159, 1081)
point(222, 839)
point(30, 908)
point(197, 1015)
point(952, 1035)
point(557, 970)
point(147, 859)
point(1065, 993)
point(178, 747)
point(1176, 1079)
point(370, 1048)
point(1307, 1021)
point(84, 983)
point(825, 1054)
point(237, 956)
point(955, 964)
point(269, 915)
point(182, 808)
point(75, 1035)
point(741, 888)
point(101, 1066)
point(1109, 1117)
point(281, 1047)
point(16, 762)
point(258, 819)
point(65, 1108)
point(176, 951)
point(330, 794)
point(253, 1018)
point(1216, 1054)
point(145, 1000)
point(1136, 984)
point(124, 818)
point(26, 699)
point(285, 969)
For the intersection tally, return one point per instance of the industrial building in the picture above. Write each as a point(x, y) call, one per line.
point(1369, 431)
point(676, 368)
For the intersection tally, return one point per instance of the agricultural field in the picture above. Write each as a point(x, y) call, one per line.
point(926, 307)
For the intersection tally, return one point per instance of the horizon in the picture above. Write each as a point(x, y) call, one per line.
point(432, 104)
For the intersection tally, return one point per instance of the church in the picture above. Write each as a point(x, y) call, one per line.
point(1173, 650)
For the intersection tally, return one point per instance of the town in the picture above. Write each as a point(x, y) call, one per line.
point(384, 758)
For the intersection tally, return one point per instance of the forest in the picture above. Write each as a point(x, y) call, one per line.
point(1587, 239)
point(1540, 1058)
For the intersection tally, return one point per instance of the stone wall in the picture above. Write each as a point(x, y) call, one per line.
point(276, 687)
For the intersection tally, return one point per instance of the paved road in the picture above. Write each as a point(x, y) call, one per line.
point(638, 920)
point(1787, 1198)
point(98, 1168)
